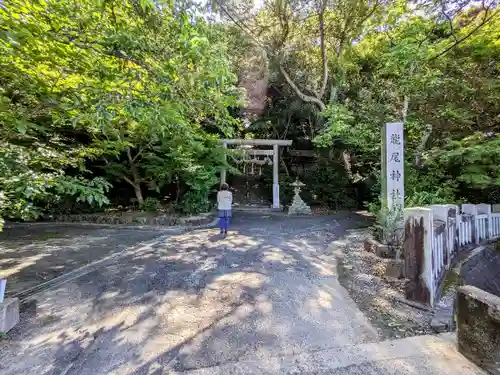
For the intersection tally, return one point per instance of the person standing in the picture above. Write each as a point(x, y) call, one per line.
point(224, 204)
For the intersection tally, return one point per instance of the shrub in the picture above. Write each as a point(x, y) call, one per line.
point(151, 204)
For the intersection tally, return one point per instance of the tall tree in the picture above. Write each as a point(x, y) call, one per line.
point(144, 89)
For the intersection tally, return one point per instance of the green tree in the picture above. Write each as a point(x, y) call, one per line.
point(139, 90)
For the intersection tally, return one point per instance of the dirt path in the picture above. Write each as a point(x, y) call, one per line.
point(31, 255)
point(194, 301)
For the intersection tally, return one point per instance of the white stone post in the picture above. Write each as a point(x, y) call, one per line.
point(223, 171)
point(472, 210)
point(485, 209)
point(427, 274)
point(455, 222)
point(276, 186)
point(9, 310)
point(3, 285)
point(440, 212)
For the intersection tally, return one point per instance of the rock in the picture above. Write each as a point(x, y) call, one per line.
point(394, 269)
point(384, 251)
point(140, 220)
point(370, 245)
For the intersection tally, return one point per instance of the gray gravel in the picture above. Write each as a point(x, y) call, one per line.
point(362, 273)
point(30, 255)
point(194, 300)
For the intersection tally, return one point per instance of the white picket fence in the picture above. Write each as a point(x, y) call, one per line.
point(448, 229)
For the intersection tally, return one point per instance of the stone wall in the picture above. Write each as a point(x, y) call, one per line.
point(133, 218)
point(478, 327)
point(483, 271)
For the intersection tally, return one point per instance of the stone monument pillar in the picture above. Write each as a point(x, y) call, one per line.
point(298, 207)
point(393, 189)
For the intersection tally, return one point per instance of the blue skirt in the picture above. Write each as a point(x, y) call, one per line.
point(225, 213)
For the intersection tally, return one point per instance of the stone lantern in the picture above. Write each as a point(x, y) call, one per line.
point(298, 207)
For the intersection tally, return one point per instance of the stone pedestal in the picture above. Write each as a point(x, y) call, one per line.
point(298, 207)
point(9, 314)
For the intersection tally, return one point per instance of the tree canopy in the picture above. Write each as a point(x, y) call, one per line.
point(345, 68)
point(97, 96)
point(94, 93)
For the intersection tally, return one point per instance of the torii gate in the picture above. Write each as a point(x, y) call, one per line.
point(276, 143)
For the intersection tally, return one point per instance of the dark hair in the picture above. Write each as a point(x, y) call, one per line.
point(224, 186)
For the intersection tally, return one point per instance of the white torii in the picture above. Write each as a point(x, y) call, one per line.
point(262, 142)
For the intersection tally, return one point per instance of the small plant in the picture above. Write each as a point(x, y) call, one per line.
point(151, 204)
point(389, 228)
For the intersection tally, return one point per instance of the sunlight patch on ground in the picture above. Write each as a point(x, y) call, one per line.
point(24, 263)
point(277, 255)
point(237, 280)
point(321, 301)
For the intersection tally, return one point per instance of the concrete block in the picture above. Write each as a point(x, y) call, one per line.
point(478, 327)
point(9, 314)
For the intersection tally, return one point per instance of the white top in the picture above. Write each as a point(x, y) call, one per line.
point(224, 200)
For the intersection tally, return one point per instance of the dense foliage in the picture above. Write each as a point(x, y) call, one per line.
point(102, 97)
point(96, 93)
point(339, 70)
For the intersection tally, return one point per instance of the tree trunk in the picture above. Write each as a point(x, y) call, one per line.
point(304, 97)
point(136, 180)
point(138, 194)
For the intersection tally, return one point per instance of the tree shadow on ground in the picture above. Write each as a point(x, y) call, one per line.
point(33, 255)
point(191, 302)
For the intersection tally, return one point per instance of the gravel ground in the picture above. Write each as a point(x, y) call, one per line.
point(362, 274)
point(195, 300)
point(31, 255)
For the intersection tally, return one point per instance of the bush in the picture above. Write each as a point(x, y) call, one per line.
point(194, 202)
point(151, 204)
point(388, 229)
point(328, 185)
